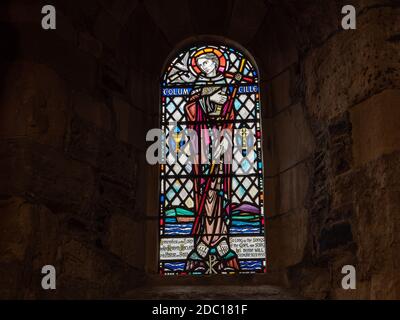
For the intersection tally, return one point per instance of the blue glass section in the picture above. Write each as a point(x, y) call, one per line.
point(241, 191)
point(237, 104)
point(245, 224)
point(178, 228)
point(174, 266)
point(251, 264)
point(173, 92)
point(170, 194)
point(170, 106)
point(241, 230)
point(248, 89)
point(245, 165)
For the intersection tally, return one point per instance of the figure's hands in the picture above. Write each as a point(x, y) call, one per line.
point(219, 97)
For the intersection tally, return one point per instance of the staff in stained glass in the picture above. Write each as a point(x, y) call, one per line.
point(212, 185)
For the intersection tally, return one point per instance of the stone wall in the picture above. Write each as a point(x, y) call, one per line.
point(331, 129)
point(71, 157)
point(351, 101)
point(76, 104)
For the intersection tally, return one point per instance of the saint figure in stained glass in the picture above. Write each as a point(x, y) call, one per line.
point(212, 184)
point(211, 195)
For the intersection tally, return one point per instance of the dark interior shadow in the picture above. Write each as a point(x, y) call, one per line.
point(9, 43)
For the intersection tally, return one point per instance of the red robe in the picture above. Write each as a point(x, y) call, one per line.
point(219, 205)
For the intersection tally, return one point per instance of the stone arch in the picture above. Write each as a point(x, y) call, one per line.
point(206, 39)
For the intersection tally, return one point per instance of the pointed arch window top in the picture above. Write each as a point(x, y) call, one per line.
point(194, 67)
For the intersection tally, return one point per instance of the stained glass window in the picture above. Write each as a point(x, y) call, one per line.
point(211, 183)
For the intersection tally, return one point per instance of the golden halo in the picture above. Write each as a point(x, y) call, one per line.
point(218, 53)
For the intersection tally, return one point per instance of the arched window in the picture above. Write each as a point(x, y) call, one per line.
point(211, 183)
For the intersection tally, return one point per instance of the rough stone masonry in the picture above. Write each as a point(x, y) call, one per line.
point(76, 103)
